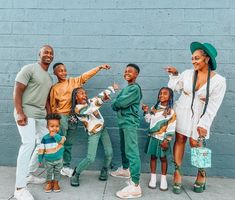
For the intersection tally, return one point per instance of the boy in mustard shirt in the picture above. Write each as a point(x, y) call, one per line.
point(60, 102)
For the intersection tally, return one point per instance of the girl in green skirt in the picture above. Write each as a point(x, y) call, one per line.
point(162, 121)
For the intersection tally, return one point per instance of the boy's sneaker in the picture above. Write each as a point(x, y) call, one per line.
point(66, 171)
point(48, 186)
point(103, 174)
point(23, 194)
point(122, 173)
point(130, 191)
point(163, 184)
point(35, 180)
point(56, 186)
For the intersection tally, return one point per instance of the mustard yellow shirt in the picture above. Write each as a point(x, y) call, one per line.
point(61, 92)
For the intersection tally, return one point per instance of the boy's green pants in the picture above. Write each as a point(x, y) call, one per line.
point(93, 141)
point(67, 131)
point(130, 152)
point(53, 169)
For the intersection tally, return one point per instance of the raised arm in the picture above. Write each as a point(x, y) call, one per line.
point(89, 74)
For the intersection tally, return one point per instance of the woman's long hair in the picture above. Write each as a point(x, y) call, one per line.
point(207, 87)
point(169, 103)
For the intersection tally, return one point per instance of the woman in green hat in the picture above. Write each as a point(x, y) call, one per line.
point(202, 91)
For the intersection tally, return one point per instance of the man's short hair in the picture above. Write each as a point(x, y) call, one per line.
point(134, 66)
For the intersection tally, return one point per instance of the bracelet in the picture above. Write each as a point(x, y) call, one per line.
point(167, 140)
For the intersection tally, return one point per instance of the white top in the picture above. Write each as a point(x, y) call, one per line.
point(89, 113)
point(187, 123)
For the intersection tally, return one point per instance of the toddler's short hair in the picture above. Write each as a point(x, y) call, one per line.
point(52, 116)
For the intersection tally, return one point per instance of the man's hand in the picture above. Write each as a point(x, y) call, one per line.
point(22, 119)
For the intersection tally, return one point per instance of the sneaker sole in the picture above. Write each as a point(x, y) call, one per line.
point(119, 176)
point(130, 196)
point(47, 191)
point(36, 183)
point(163, 189)
point(56, 190)
point(152, 187)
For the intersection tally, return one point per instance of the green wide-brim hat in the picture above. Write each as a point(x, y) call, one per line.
point(209, 50)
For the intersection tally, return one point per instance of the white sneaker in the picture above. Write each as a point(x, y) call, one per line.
point(163, 184)
point(129, 192)
point(122, 173)
point(23, 194)
point(66, 171)
point(153, 181)
point(35, 180)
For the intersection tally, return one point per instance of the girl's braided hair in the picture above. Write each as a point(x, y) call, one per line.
point(207, 87)
point(170, 101)
point(72, 116)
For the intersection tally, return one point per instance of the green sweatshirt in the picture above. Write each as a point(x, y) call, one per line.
point(127, 105)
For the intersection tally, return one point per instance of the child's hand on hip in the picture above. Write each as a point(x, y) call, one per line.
point(164, 145)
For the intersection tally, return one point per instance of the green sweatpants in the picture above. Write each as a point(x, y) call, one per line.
point(93, 141)
point(53, 169)
point(67, 131)
point(130, 152)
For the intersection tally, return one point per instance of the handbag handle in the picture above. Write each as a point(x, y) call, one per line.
point(203, 141)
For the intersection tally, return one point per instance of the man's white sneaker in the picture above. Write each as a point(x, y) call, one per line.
point(163, 184)
point(66, 171)
point(129, 192)
point(153, 181)
point(122, 173)
point(23, 194)
point(35, 180)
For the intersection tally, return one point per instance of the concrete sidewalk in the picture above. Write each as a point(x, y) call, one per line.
point(93, 189)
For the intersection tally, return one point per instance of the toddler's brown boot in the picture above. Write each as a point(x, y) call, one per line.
point(48, 186)
point(56, 187)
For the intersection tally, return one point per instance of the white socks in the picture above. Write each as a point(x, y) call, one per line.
point(153, 181)
point(163, 184)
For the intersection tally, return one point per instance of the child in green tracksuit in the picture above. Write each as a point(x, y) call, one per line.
point(127, 105)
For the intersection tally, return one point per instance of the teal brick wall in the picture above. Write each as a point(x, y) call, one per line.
point(151, 33)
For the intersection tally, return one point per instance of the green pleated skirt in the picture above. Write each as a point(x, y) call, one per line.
point(153, 148)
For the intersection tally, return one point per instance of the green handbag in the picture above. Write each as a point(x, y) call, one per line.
point(201, 156)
